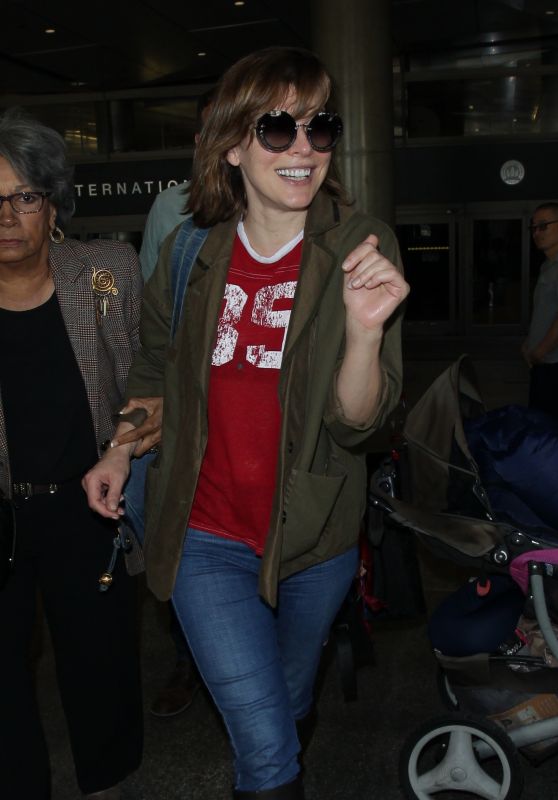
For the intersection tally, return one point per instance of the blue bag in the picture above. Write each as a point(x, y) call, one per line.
point(187, 245)
point(516, 450)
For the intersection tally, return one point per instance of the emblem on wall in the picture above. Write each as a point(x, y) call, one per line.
point(512, 172)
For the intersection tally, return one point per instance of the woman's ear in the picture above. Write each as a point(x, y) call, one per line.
point(52, 216)
point(233, 157)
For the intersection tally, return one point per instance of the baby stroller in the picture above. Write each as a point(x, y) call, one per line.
point(473, 751)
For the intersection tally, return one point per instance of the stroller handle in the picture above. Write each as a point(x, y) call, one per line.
point(536, 572)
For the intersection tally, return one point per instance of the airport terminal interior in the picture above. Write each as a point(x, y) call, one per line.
point(451, 134)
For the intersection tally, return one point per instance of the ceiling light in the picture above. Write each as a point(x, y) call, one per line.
point(471, 108)
point(239, 2)
point(202, 54)
point(550, 13)
point(50, 30)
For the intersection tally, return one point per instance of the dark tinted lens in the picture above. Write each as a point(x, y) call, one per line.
point(276, 132)
point(324, 131)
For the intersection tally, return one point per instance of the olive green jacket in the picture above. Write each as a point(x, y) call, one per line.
point(321, 472)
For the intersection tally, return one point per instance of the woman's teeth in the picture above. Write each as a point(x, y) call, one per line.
point(294, 174)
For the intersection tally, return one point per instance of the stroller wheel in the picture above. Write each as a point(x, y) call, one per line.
point(445, 691)
point(456, 757)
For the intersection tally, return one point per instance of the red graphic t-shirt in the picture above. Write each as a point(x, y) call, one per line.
point(237, 479)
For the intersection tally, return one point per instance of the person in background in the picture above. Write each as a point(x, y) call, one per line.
point(169, 207)
point(69, 318)
point(540, 349)
point(168, 211)
point(286, 361)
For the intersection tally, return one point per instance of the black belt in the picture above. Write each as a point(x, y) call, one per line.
point(25, 490)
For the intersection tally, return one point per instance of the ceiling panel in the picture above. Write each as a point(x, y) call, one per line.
point(129, 44)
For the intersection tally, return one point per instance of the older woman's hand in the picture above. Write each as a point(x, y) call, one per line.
point(148, 433)
point(373, 286)
point(105, 481)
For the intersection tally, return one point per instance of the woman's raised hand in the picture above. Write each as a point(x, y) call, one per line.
point(373, 286)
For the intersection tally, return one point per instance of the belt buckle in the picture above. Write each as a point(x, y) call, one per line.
point(24, 490)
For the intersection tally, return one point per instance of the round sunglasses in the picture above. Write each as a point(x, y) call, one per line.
point(277, 130)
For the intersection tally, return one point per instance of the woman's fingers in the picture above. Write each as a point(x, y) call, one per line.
point(150, 429)
point(363, 250)
point(366, 266)
point(377, 274)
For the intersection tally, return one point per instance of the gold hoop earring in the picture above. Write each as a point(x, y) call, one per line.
point(56, 235)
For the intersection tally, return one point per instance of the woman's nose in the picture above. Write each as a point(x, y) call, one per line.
point(301, 143)
point(6, 211)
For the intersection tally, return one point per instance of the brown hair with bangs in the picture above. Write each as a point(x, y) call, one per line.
point(253, 86)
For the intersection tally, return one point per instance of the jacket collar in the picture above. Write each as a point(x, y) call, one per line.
point(65, 260)
point(318, 267)
point(323, 215)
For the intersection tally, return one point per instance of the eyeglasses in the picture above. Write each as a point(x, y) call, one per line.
point(277, 130)
point(541, 226)
point(25, 202)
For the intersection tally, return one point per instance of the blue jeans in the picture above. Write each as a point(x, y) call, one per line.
point(258, 663)
point(134, 494)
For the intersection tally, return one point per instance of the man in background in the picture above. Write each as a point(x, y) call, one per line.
point(168, 211)
point(169, 207)
point(540, 349)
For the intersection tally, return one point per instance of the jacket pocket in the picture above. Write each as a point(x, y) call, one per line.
point(309, 502)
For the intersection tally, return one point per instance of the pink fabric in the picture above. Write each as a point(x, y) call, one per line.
point(519, 570)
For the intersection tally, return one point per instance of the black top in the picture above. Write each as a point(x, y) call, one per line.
point(48, 420)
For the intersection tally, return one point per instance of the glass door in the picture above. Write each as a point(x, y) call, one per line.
point(428, 247)
point(495, 281)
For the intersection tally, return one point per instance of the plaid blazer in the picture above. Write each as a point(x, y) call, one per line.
point(103, 346)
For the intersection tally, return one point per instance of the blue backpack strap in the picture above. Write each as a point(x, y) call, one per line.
point(187, 245)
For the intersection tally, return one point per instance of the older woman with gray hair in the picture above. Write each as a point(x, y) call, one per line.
point(69, 315)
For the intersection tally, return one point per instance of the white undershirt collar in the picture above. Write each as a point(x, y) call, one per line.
point(268, 259)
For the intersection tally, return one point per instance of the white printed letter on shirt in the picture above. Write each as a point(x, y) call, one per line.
point(235, 300)
point(263, 314)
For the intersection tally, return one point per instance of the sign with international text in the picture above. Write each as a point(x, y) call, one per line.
point(124, 187)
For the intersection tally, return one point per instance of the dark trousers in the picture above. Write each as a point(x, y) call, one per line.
point(543, 388)
point(62, 548)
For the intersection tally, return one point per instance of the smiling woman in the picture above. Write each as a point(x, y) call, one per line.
point(62, 372)
point(289, 349)
point(280, 177)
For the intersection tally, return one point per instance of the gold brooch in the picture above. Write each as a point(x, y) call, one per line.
point(102, 282)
